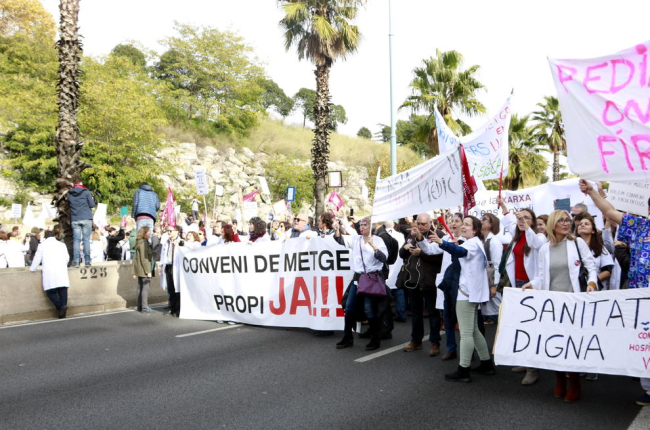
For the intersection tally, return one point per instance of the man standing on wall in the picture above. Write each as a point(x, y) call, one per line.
point(145, 207)
point(81, 217)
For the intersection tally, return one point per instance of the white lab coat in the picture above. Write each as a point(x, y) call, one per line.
point(15, 253)
point(395, 268)
point(542, 280)
point(496, 252)
point(54, 256)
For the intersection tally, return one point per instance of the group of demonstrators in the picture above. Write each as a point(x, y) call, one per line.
point(451, 272)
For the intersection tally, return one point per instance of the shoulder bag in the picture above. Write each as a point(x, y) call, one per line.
point(370, 284)
point(583, 275)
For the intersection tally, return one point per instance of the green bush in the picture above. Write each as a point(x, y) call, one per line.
point(282, 173)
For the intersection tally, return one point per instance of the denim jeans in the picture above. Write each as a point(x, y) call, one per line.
point(143, 293)
point(81, 229)
point(449, 316)
point(144, 222)
point(58, 296)
point(419, 301)
point(349, 305)
point(400, 303)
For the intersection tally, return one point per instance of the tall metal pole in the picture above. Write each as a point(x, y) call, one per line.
point(393, 114)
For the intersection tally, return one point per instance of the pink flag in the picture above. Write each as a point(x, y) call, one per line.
point(250, 197)
point(336, 200)
point(169, 216)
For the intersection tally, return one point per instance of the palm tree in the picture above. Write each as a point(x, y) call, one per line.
point(322, 32)
point(525, 163)
point(550, 130)
point(68, 140)
point(442, 83)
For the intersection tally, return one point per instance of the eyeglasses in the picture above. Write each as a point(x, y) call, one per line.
point(485, 219)
point(200, 234)
point(299, 220)
point(564, 221)
point(169, 230)
point(423, 223)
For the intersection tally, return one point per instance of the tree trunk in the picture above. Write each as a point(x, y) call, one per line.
point(68, 141)
point(556, 166)
point(321, 147)
point(433, 141)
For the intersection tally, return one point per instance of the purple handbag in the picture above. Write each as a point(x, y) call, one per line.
point(370, 284)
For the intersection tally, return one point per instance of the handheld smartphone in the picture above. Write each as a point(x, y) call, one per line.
point(351, 211)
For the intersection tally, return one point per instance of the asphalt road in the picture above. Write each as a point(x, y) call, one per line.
point(128, 370)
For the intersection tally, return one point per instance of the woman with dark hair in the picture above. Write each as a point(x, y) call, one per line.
point(541, 224)
point(228, 235)
point(325, 223)
point(490, 227)
point(521, 260)
point(144, 268)
point(257, 230)
point(472, 291)
point(558, 271)
point(588, 232)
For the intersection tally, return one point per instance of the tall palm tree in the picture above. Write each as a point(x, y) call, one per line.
point(68, 140)
point(441, 82)
point(526, 165)
point(322, 32)
point(550, 130)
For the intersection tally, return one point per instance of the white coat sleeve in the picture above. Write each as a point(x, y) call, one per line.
point(38, 258)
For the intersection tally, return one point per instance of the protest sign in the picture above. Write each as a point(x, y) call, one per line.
point(600, 332)
point(297, 283)
point(200, 180)
point(218, 190)
point(291, 194)
point(16, 210)
point(486, 148)
point(605, 111)
point(250, 210)
point(99, 218)
point(279, 207)
point(540, 199)
point(434, 184)
point(264, 185)
point(630, 197)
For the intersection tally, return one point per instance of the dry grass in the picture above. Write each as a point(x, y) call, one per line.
point(273, 137)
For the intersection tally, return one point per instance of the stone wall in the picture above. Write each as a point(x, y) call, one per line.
point(102, 287)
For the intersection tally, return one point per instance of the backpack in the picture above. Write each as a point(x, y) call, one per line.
point(391, 245)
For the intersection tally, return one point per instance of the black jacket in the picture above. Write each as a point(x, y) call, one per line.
point(429, 266)
point(113, 251)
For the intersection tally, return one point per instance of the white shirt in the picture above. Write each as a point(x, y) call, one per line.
point(355, 243)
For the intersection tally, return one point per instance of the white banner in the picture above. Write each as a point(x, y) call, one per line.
point(99, 218)
point(630, 197)
point(297, 283)
point(600, 332)
point(434, 184)
point(605, 111)
point(264, 185)
point(486, 148)
point(540, 199)
point(201, 180)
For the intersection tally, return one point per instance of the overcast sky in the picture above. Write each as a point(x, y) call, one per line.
point(509, 39)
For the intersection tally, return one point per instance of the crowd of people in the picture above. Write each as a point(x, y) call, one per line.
point(451, 273)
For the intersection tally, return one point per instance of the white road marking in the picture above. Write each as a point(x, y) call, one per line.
point(2, 327)
point(208, 331)
point(386, 351)
point(642, 420)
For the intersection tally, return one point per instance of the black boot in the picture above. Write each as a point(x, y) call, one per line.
point(347, 340)
point(375, 337)
point(460, 375)
point(485, 368)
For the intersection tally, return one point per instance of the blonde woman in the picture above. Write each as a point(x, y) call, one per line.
point(96, 248)
point(558, 271)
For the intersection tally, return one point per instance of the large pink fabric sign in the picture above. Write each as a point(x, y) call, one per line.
point(605, 104)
